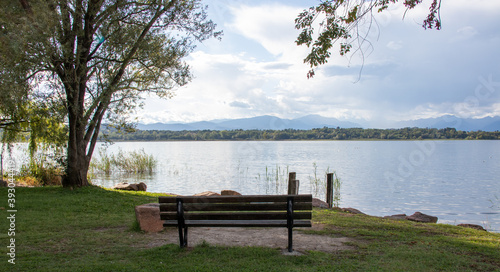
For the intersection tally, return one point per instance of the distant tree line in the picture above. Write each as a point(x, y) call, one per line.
point(295, 134)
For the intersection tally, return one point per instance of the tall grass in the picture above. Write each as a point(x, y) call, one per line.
point(319, 185)
point(275, 179)
point(136, 161)
point(42, 169)
point(105, 162)
point(337, 183)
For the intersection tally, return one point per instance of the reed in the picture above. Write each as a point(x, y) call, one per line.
point(42, 169)
point(337, 183)
point(104, 163)
point(318, 186)
point(136, 161)
point(275, 179)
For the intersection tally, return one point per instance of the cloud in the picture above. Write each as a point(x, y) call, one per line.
point(395, 45)
point(467, 32)
point(269, 24)
point(405, 71)
point(239, 104)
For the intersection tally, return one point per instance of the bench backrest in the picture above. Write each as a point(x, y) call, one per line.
point(249, 208)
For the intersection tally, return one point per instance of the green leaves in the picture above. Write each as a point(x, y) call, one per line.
point(332, 28)
point(332, 22)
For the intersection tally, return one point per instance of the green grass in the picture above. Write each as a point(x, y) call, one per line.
point(93, 229)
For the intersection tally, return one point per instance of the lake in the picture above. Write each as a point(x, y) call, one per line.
point(457, 181)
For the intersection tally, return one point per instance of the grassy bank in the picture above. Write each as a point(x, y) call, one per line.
point(92, 229)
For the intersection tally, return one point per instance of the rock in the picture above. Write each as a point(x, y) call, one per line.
point(319, 203)
point(229, 192)
point(121, 186)
point(131, 187)
point(352, 210)
point(422, 218)
point(148, 216)
point(396, 216)
point(472, 226)
point(207, 193)
point(142, 186)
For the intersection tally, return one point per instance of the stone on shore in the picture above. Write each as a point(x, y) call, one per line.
point(472, 226)
point(207, 193)
point(148, 216)
point(319, 203)
point(422, 218)
point(396, 216)
point(352, 210)
point(229, 192)
point(131, 187)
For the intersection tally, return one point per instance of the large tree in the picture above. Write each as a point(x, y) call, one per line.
point(98, 57)
point(340, 21)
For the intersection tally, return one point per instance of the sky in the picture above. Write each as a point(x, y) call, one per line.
point(403, 72)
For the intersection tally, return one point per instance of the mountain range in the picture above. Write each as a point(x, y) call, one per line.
point(316, 121)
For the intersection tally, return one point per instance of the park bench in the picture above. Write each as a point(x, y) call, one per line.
point(286, 211)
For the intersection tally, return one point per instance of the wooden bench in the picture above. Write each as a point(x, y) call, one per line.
point(236, 211)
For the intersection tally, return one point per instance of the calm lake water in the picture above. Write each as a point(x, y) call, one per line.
point(457, 181)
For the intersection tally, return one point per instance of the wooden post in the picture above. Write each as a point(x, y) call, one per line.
point(329, 189)
point(293, 184)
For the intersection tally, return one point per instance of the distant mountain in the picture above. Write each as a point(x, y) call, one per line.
point(259, 122)
point(464, 124)
point(316, 121)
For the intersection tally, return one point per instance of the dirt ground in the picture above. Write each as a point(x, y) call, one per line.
point(260, 237)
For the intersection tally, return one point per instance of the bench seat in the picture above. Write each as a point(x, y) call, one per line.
point(238, 223)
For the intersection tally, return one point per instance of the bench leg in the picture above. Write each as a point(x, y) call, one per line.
point(289, 222)
point(183, 236)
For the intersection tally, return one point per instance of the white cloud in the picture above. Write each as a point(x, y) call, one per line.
point(395, 45)
point(271, 25)
point(257, 69)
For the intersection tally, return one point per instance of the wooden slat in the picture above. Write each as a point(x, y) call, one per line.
point(235, 216)
point(237, 199)
point(164, 207)
point(242, 223)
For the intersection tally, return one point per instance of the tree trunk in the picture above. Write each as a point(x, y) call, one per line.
point(76, 172)
point(77, 163)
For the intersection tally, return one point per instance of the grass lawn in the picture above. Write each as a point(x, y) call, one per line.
point(94, 229)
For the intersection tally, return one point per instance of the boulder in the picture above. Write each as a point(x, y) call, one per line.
point(422, 218)
point(142, 186)
point(352, 210)
point(319, 203)
point(207, 193)
point(396, 216)
point(229, 192)
point(472, 226)
point(148, 216)
point(131, 187)
point(121, 186)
